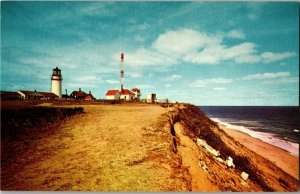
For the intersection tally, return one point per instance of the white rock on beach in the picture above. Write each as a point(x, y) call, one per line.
point(219, 159)
point(229, 162)
point(244, 176)
point(211, 150)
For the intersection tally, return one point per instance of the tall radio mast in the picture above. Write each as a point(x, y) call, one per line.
point(122, 71)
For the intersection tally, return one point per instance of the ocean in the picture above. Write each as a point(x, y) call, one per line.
point(278, 126)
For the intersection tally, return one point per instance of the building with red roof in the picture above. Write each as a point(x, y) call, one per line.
point(81, 95)
point(89, 96)
point(126, 94)
point(112, 95)
point(49, 95)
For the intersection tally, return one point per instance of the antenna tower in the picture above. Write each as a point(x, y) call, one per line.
point(121, 71)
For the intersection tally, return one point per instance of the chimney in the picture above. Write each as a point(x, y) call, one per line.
point(90, 92)
point(79, 89)
point(66, 92)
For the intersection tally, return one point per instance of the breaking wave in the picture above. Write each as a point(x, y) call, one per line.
point(291, 147)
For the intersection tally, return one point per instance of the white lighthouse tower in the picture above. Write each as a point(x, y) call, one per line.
point(56, 80)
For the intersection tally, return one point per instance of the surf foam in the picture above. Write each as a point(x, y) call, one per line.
point(291, 147)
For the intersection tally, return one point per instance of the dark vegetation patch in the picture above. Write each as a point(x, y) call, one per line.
point(16, 121)
point(199, 125)
point(166, 105)
point(21, 126)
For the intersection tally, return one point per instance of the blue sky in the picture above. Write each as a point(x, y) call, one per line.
point(217, 53)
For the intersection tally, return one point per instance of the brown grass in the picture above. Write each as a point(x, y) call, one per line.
point(109, 148)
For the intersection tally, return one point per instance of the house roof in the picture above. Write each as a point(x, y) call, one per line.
point(27, 93)
point(126, 92)
point(8, 92)
point(89, 95)
point(78, 93)
point(111, 92)
point(135, 89)
point(31, 93)
point(48, 94)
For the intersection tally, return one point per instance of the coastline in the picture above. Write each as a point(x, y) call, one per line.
point(160, 153)
point(281, 158)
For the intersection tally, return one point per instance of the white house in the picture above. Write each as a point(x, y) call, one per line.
point(113, 95)
point(137, 93)
point(126, 95)
point(151, 98)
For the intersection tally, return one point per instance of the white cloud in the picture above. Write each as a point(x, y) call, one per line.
point(196, 47)
point(205, 82)
point(110, 81)
point(220, 80)
point(238, 34)
point(172, 77)
point(209, 55)
point(270, 57)
point(266, 76)
point(183, 41)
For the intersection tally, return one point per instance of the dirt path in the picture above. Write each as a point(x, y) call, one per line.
point(108, 148)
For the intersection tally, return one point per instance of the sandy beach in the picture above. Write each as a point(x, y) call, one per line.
point(278, 156)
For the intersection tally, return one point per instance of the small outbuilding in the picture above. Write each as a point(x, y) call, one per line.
point(151, 98)
point(112, 95)
point(137, 93)
point(126, 95)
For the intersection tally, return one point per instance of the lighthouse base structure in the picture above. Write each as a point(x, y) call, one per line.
point(56, 87)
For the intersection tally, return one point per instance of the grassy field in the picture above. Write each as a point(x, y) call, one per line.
point(107, 148)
